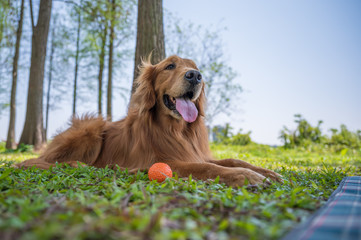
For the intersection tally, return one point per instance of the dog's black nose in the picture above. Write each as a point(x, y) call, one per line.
point(193, 76)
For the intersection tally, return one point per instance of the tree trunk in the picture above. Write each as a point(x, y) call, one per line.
point(110, 63)
point(101, 68)
point(10, 141)
point(33, 126)
point(76, 62)
point(49, 81)
point(150, 34)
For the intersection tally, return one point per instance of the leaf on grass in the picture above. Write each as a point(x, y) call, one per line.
point(223, 225)
point(216, 181)
point(5, 174)
point(314, 185)
point(344, 151)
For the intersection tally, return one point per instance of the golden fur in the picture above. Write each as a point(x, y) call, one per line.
point(150, 133)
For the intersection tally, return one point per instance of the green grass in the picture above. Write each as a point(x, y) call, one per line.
point(90, 203)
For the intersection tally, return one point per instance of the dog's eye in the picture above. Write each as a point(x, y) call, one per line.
point(170, 67)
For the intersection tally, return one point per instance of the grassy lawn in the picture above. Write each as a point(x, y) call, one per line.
point(90, 203)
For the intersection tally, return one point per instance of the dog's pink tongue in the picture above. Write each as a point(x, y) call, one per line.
point(187, 109)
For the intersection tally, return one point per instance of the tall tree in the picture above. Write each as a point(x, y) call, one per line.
point(10, 141)
point(9, 18)
point(33, 132)
point(77, 51)
point(150, 34)
point(57, 77)
point(50, 78)
point(96, 24)
point(101, 68)
point(110, 62)
point(101, 20)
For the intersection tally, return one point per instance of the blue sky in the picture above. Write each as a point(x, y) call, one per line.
point(291, 57)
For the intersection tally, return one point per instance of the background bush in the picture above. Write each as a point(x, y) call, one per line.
point(225, 136)
point(306, 135)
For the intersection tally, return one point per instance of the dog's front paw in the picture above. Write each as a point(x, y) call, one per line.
point(269, 174)
point(241, 176)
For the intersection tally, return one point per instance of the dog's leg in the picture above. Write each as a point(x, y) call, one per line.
point(231, 176)
point(40, 163)
point(234, 163)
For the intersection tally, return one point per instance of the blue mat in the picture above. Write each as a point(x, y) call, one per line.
point(340, 218)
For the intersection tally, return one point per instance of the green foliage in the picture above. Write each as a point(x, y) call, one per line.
point(107, 204)
point(8, 22)
point(304, 135)
point(96, 18)
point(241, 138)
point(8, 18)
point(307, 135)
point(221, 134)
point(22, 148)
point(343, 138)
point(225, 136)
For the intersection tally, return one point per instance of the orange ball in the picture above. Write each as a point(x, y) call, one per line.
point(159, 172)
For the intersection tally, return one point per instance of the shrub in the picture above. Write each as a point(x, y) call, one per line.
point(344, 138)
point(22, 148)
point(304, 135)
point(224, 135)
point(240, 138)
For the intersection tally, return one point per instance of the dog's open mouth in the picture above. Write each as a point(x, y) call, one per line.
point(182, 106)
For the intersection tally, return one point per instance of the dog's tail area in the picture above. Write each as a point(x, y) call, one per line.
point(81, 142)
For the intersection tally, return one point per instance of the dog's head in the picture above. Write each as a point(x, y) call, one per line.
point(172, 87)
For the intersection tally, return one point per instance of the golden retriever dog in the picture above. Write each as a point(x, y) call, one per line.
point(165, 123)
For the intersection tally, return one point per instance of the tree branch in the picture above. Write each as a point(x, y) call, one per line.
point(78, 6)
point(31, 15)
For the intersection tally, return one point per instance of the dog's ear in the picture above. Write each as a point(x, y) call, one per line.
point(201, 101)
point(144, 97)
